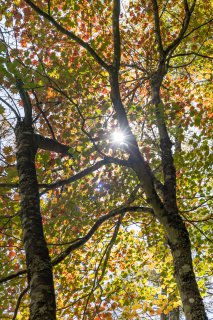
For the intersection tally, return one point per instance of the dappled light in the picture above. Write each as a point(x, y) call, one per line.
point(105, 159)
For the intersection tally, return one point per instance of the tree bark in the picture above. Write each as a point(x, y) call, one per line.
point(179, 243)
point(174, 314)
point(165, 210)
point(40, 277)
point(51, 145)
point(164, 317)
point(170, 218)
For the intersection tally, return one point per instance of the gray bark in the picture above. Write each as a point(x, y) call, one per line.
point(40, 278)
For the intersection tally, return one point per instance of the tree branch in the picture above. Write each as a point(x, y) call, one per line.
point(116, 34)
point(51, 145)
point(185, 24)
point(10, 107)
point(70, 34)
point(114, 74)
point(26, 102)
point(9, 185)
point(13, 275)
point(109, 248)
point(200, 230)
point(43, 114)
point(79, 242)
point(85, 172)
point(191, 53)
point(200, 26)
point(19, 301)
point(105, 256)
point(95, 227)
point(157, 28)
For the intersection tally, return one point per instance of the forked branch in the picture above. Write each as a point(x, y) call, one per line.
point(71, 35)
point(85, 172)
point(98, 223)
point(81, 241)
point(185, 24)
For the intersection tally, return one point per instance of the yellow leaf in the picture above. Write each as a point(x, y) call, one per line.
point(208, 76)
point(136, 306)
point(159, 311)
point(169, 308)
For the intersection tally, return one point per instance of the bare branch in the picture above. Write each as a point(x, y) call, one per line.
point(191, 53)
point(9, 185)
point(164, 8)
point(81, 241)
point(96, 282)
point(13, 275)
point(11, 108)
point(43, 114)
point(26, 102)
point(200, 26)
point(109, 248)
point(200, 230)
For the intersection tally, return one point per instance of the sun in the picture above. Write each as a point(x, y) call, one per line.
point(118, 137)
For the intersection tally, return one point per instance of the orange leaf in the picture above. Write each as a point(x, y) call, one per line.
point(12, 254)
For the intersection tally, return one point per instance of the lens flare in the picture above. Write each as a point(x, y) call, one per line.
point(118, 137)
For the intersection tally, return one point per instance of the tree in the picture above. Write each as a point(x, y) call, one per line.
point(72, 73)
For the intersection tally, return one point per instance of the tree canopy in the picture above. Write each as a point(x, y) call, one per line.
point(105, 160)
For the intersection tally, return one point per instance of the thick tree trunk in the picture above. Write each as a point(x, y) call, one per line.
point(40, 277)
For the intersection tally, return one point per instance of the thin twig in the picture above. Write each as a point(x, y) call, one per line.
point(19, 301)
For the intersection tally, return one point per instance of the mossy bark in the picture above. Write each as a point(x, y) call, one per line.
point(40, 277)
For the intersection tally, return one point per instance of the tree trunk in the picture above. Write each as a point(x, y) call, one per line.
point(166, 210)
point(174, 314)
point(179, 243)
point(181, 250)
point(40, 277)
point(168, 215)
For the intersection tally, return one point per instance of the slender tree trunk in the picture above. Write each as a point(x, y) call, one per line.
point(171, 220)
point(180, 247)
point(174, 314)
point(40, 277)
point(164, 317)
point(166, 211)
